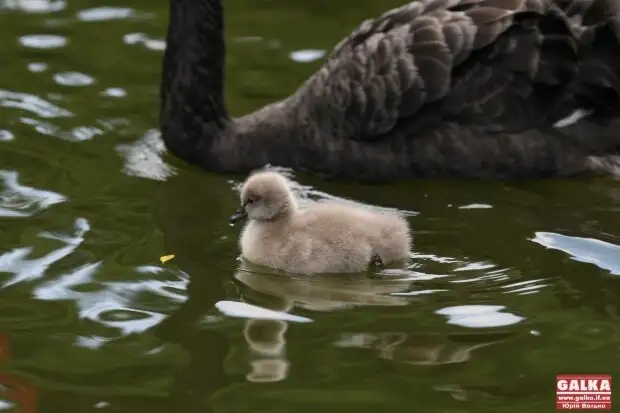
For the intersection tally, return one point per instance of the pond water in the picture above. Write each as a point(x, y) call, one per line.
point(510, 284)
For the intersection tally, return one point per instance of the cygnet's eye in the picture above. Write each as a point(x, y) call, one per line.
point(249, 201)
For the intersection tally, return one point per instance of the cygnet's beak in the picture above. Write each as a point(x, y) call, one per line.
point(239, 215)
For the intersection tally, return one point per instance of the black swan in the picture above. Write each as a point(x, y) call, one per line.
point(478, 89)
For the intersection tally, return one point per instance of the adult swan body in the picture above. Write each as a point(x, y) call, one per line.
point(488, 89)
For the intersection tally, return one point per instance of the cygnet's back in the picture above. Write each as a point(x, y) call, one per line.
point(326, 237)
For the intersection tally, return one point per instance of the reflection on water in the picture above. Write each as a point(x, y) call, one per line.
point(509, 283)
point(603, 254)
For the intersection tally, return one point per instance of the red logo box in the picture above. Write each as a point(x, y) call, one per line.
point(583, 392)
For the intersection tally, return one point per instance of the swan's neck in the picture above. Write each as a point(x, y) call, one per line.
point(193, 111)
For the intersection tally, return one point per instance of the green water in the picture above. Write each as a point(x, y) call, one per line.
point(510, 284)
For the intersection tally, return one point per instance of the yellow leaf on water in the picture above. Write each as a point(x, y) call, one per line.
point(166, 258)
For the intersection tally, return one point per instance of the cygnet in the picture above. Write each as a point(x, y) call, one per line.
point(326, 237)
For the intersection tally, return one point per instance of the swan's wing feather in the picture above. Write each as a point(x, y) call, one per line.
point(589, 12)
point(599, 27)
point(432, 60)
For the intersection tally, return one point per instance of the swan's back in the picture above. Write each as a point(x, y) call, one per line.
point(440, 88)
point(432, 61)
point(433, 89)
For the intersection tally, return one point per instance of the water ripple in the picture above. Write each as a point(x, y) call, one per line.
point(23, 313)
point(324, 293)
point(479, 316)
point(128, 320)
point(306, 56)
point(77, 134)
point(604, 255)
point(84, 133)
point(34, 6)
point(15, 261)
point(145, 40)
point(44, 128)
point(116, 92)
point(144, 158)
point(73, 79)
point(421, 348)
point(32, 103)
point(6, 135)
point(525, 287)
point(105, 13)
point(17, 200)
point(476, 206)
point(111, 304)
point(37, 67)
point(43, 41)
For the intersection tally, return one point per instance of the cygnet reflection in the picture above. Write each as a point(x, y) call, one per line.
point(266, 339)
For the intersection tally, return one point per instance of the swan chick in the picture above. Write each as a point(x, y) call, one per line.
point(327, 237)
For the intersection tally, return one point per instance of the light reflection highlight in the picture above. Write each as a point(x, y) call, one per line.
point(604, 255)
point(32, 104)
point(18, 200)
point(479, 316)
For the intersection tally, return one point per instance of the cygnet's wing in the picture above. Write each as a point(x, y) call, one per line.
point(502, 63)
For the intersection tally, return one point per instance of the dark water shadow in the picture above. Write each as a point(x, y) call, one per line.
point(186, 209)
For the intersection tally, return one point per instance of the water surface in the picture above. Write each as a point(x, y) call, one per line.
point(509, 285)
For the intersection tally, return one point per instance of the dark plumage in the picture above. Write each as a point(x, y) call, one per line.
point(433, 89)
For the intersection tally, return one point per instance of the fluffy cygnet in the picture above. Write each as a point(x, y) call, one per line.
point(327, 237)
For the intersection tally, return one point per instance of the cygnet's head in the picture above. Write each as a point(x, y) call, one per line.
point(265, 196)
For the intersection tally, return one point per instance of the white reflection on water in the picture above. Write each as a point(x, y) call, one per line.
point(245, 310)
point(77, 134)
point(604, 255)
point(105, 13)
point(6, 135)
point(34, 6)
point(32, 103)
point(111, 304)
point(307, 55)
point(7, 406)
point(476, 206)
point(115, 92)
point(145, 40)
point(18, 200)
point(479, 316)
point(37, 67)
point(73, 79)
point(43, 41)
point(16, 262)
point(144, 157)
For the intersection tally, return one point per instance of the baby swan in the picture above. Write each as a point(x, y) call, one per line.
point(325, 238)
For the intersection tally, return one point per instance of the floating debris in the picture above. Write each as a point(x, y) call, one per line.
point(166, 258)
